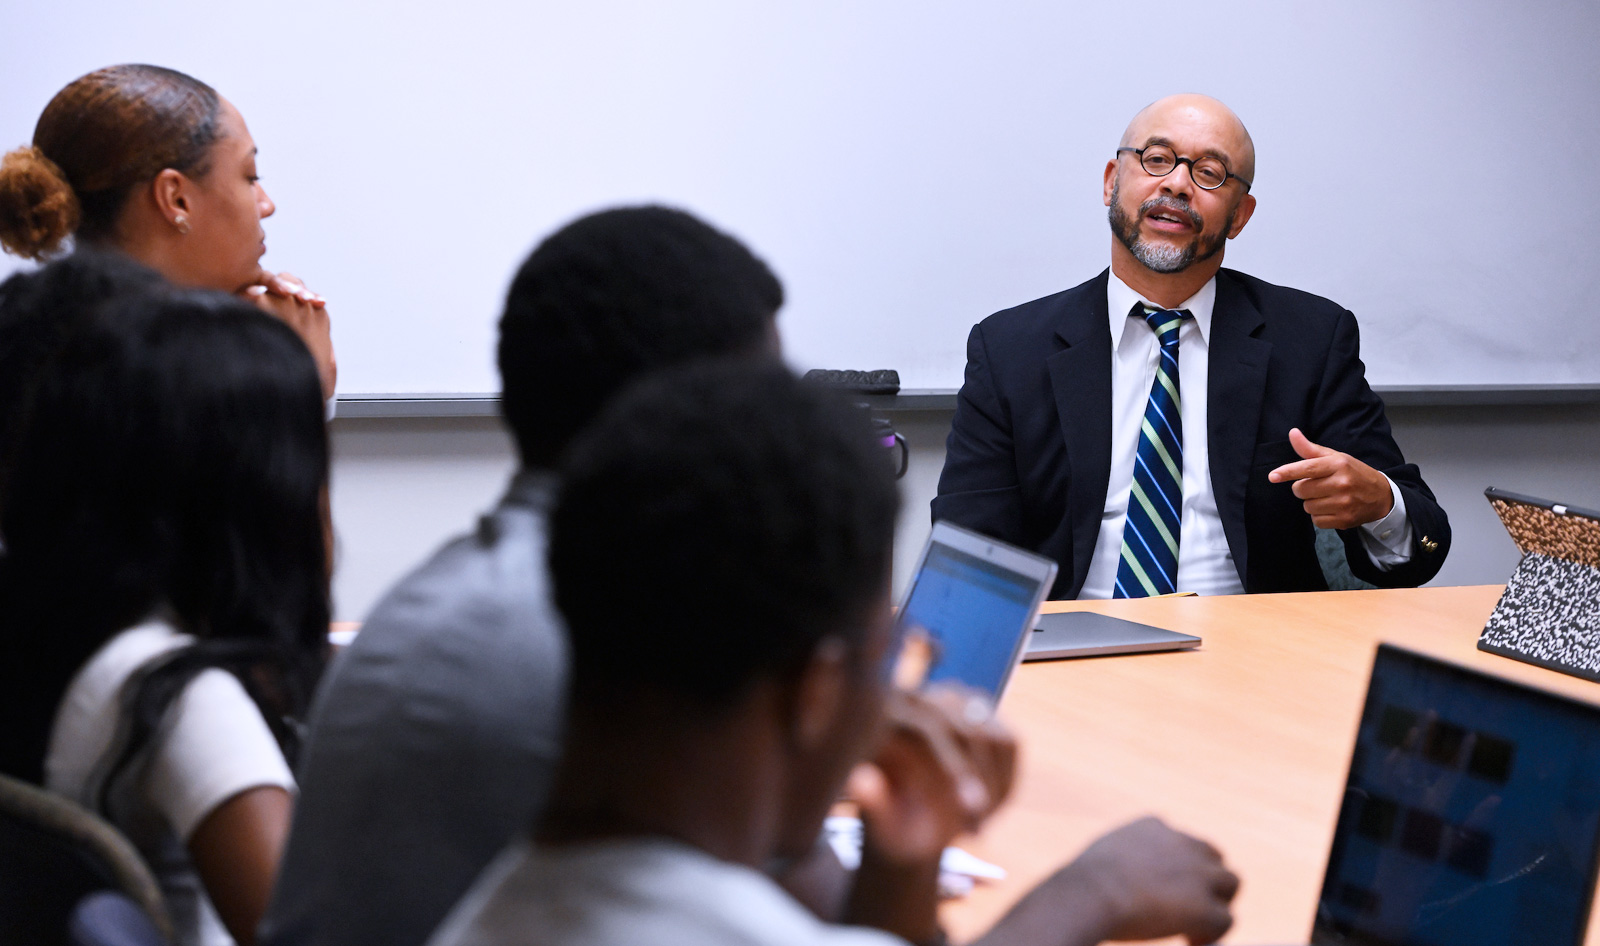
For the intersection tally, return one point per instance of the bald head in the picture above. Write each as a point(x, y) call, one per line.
point(1200, 115)
point(1170, 228)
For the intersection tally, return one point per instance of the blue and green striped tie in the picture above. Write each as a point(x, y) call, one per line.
point(1149, 564)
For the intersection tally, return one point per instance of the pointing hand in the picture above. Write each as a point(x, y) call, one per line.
point(1338, 491)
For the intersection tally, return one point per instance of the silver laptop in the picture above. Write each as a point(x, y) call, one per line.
point(974, 600)
point(1087, 634)
point(1471, 813)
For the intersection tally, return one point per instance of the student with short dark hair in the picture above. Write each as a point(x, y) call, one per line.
point(434, 735)
point(613, 296)
point(719, 701)
point(164, 585)
point(755, 518)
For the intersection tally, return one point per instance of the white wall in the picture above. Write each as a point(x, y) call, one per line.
point(907, 165)
point(401, 486)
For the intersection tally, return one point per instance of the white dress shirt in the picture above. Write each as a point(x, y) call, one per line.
point(1205, 563)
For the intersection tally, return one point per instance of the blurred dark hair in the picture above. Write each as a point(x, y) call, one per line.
point(40, 310)
point(612, 296)
point(714, 525)
point(173, 461)
point(101, 136)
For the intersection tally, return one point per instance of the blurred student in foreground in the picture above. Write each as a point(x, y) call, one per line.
point(722, 698)
point(435, 733)
point(164, 587)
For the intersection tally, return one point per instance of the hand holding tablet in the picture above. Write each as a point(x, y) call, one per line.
point(969, 609)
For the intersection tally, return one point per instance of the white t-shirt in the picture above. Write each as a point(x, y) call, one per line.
point(213, 745)
point(637, 890)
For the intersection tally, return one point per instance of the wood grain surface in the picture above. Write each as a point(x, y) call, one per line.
point(1245, 741)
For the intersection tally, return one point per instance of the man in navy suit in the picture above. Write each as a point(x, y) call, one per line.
point(1284, 434)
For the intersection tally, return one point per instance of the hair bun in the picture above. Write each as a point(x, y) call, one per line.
point(38, 209)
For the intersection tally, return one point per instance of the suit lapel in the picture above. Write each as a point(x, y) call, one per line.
point(1080, 378)
point(1238, 379)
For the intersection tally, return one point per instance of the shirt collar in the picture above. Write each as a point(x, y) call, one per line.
point(1120, 299)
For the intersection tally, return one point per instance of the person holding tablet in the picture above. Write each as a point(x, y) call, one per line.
point(164, 590)
point(717, 710)
point(155, 164)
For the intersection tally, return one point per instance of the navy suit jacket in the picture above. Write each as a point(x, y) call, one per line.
point(1029, 453)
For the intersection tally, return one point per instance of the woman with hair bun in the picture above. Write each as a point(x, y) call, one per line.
point(154, 164)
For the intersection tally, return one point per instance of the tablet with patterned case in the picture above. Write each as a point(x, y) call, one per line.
point(1549, 614)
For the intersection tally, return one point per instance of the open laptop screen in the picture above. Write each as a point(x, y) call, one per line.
point(976, 610)
point(1471, 814)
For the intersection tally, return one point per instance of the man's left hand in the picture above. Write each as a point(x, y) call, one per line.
point(1337, 490)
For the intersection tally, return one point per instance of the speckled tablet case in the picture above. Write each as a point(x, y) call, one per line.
point(1550, 612)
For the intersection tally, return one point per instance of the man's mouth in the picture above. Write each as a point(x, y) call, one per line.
point(1171, 220)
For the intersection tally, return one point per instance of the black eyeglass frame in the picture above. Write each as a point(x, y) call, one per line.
point(1227, 175)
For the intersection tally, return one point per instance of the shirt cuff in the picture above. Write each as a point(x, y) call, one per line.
point(1388, 541)
point(330, 407)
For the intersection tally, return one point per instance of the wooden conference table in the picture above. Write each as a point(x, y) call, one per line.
point(1245, 741)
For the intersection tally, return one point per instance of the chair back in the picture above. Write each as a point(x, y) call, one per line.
point(54, 853)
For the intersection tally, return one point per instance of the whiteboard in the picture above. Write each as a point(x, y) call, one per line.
point(906, 167)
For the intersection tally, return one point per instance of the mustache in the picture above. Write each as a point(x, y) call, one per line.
point(1172, 205)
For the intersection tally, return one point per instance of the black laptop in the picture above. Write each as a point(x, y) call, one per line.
point(1471, 815)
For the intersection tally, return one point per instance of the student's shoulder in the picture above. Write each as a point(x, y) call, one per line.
point(216, 745)
point(477, 586)
point(472, 634)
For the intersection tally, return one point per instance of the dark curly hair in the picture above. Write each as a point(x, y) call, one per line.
point(611, 296)
point(714, 525)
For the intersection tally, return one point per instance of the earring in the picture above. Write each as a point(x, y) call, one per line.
point(181, 221)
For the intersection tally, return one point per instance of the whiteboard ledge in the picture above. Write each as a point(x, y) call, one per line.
point(1486, 395)
point(488, 405)
point(417, 405)
point(944, 399)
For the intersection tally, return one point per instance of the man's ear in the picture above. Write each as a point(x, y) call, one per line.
point(820, 693)
point(172, 192)
point(1247, 206)
point(1110, 183)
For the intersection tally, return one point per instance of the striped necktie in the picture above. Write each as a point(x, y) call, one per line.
point(1149, 564)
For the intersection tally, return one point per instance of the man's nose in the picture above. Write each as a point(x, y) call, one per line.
point(1179, 181)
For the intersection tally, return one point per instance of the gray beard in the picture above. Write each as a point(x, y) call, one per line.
point(1162, 257)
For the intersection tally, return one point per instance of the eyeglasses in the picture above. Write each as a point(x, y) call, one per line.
point(1209, 173)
